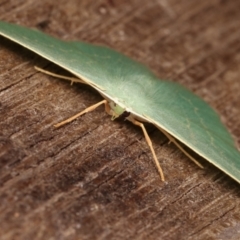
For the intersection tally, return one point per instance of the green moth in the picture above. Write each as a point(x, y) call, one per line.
point(128, 86)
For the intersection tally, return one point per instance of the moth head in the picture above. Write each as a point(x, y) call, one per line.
point(116, 110)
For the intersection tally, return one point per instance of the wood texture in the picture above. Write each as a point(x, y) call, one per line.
point(94, 178)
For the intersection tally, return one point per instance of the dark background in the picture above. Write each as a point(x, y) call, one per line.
point(94, 178)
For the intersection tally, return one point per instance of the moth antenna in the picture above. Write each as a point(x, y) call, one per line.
point(72, 79)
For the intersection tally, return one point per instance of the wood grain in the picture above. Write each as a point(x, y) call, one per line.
point(95, 178)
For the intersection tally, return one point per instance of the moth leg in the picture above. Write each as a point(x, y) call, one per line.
point(172, 139)
point(71, 79)
point(89, 109)
point(149, 142)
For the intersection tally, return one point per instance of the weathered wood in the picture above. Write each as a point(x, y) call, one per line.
point(94, 178)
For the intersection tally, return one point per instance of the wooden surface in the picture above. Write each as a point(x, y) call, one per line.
point(94, 178)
